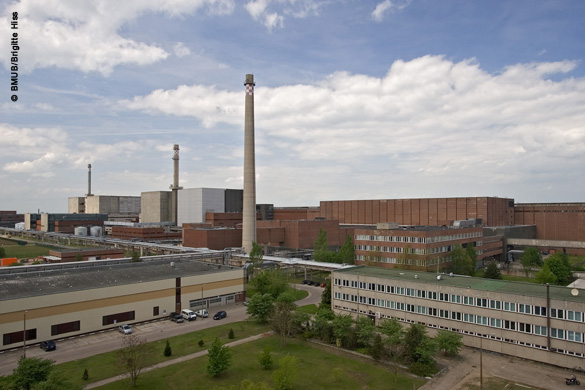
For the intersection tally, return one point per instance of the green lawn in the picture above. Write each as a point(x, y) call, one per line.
point(102, 366)
point(26, 251)
point(318, 369)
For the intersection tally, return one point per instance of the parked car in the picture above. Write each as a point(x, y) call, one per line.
point(176, 317)
point(189, 315)
point(219, 315)
point(202, 313)
point(48, 345)
point(126, 329)
point(305, 281)
point(323, 284)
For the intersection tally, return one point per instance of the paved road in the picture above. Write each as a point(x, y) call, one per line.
point(80, 347)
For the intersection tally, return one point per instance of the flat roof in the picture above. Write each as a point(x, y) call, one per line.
point(66, 279)
point(480, 284)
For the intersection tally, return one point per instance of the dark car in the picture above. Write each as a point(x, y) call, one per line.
point(178, 318)
point(48, 345)
point(305, 281)
point(219, 315)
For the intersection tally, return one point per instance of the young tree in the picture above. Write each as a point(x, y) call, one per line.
point(168, 351)
point(320, 246)
point(347, 251)
point(471, 255)
point(342, 324)
point(326, 294)
point(560, 267)
point(449, 342)
point(30, 372)
point(256, 258)
point(260, 307)
point(322, 324)
point(377, 349)
point(394, 332)
point(365, 330)
point(492, 271)
point(545, 275)
point(286, 376)
point(220, 358)
point(282, 320)
point(265, 359)
point(134, 356)
point(530, 259)
point(460, 262)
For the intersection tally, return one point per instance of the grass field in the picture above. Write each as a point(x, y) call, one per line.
point(317, 369)
point(25, 251)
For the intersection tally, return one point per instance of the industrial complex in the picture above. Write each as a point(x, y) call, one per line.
point(81, 291)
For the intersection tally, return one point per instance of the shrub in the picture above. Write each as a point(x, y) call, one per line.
point(168, 351)
point(231, 334)
point(200, 343)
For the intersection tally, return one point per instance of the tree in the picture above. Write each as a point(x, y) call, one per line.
point(265, 359)
point(449, 342)
point(282, 319)
point(365, 330)
point(394, 332)
point(85, 375)
point(79, 257)
point(460, 261)
point(471, 255)
point(135, 257)
point(530, 259)
point(231, 334)
point(377, 350)
point(30, 372)
point(220, 358)
point(57, 381)
point(347, 251)
point(320, 246)
point(326, 294)
point(545, 275)
point(560, 267)
point(286, 376)
point(256, 258)
point(341, 328)
point(492, 271)
point(322, 325)
point(168, 351)
point(134, 356)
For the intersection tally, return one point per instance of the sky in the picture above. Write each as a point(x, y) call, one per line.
point(354, 99)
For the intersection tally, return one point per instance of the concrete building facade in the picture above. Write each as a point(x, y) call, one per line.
point(104, 204)
point(155, 206)
point(61, 301)
point(194, 203)
point(526, 320)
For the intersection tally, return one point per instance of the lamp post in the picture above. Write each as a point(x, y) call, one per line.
point(24, 334)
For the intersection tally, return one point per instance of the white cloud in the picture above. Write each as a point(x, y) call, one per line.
point(388, 6)
point(181, 50)
point(270, 12)
point(428, 120)
point(85, 36)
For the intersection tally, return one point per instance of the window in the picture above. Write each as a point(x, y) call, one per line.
point(455, 298)
point(539, 330)
point(120, 317)
point(65, 328)
point(557, 333)
point(522, 308)
point(509, 306)
point(574, 315)
point(495, 322)
point(482, 302)
point(18, 337)
point(495, 304)
point(155, 310)
point(574, 336)
point(511, 325)
point(540, 310)
point(526, 328)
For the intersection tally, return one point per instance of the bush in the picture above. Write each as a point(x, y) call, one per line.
point(200, 343)
point(265, 359)
point(85, 375)
point(231, 334)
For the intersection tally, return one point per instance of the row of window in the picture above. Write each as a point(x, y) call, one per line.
point(464, 317)
point(417, 240)
point(536, 310)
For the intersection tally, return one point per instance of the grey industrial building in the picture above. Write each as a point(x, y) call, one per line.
point(64, 300)
point(527, 320)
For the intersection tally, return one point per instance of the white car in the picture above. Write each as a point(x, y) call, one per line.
point(202, 313)
point(125, 329)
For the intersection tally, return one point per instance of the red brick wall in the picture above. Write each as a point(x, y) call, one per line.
point(554, 221)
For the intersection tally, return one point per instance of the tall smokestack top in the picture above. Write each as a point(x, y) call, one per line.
point(249, 206)
point(89, 180)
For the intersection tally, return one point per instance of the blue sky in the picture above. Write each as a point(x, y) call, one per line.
point(354, 99)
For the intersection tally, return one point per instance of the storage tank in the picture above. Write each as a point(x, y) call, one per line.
point(19, 226)
point(80, 231)
point(95, 231)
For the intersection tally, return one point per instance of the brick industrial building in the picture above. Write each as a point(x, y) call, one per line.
point(420, 247)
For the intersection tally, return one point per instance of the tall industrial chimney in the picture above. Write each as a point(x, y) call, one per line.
point(89, 180)
point(175, 186)
point(249, 207)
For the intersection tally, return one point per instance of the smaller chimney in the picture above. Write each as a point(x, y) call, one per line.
point(89, 180)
